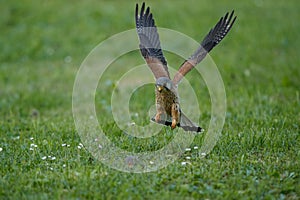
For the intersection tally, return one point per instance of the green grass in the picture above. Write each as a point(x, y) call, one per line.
point(42, 45)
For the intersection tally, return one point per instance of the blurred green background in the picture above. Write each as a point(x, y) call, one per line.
point(42, 45)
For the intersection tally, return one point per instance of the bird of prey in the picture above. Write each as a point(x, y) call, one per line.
point(168, 110)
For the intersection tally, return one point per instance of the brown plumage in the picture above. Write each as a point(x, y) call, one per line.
point(168, 110)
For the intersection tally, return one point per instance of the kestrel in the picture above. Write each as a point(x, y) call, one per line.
point(168, 110)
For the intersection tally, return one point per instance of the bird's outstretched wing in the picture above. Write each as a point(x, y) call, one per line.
point(213, 38)
point(149, 42)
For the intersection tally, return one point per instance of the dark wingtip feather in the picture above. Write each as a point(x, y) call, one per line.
point(217, 33)
point(231, 14)
point(147, 11)
point(142, 9)
point(136, 13)
point(226, 15)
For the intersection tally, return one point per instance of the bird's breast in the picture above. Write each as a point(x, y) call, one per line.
point(166, 99)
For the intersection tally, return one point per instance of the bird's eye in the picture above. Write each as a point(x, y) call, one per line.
point(159, 88)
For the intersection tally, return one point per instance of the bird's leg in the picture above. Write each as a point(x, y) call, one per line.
point(159, 112)
point(175, 114)
point(157, 117)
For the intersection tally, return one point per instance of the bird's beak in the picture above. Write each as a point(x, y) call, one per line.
point(159, 88)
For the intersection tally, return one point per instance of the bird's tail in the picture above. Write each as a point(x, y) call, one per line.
point(188, 125)
point(185, 123)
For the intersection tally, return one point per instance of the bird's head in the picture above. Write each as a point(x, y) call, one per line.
point(163, 84)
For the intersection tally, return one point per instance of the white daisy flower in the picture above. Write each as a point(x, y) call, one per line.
point(188, 149)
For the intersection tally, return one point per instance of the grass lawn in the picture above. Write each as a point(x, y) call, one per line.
point(43, 44)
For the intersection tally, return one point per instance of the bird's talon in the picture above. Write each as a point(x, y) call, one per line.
point(157, 118)
point(173, 125)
